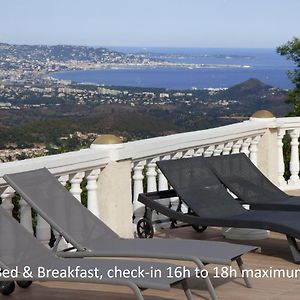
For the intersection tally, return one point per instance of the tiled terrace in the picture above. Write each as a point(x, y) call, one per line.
point(275, 253)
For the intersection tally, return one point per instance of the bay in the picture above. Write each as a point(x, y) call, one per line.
point(263, 64)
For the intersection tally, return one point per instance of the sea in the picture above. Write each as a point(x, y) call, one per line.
point(231, 66)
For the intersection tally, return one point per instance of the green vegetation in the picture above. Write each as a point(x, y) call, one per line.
point(291, 50)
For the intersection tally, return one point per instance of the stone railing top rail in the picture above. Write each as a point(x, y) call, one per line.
point(58, 164)
point(288, 123)
point(164, 145)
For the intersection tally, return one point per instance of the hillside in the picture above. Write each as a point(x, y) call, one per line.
point(62, 53)
point(253, 95)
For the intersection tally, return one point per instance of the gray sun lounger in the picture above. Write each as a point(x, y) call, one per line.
point(246, 181)
point(19, 249)
point(197, 186)
point(91, 237)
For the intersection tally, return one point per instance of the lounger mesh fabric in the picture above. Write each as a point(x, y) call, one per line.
point(196, 184)
point(67, 215)
point(244, 179)
point(208, 198)
point(47, 193)
point(19, 248)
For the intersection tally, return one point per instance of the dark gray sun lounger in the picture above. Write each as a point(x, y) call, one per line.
point(196, 184)
point(19, 249)
point(246, 181)
point(91, 237)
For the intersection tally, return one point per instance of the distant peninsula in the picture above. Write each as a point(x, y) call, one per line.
point(35, 63)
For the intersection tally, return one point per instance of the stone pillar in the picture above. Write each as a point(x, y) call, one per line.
point(114, 194)
point(267, 148)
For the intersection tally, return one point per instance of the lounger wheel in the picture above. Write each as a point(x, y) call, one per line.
point(24, 284)
point(144, 229)
point(199, 228)
point(7, 287)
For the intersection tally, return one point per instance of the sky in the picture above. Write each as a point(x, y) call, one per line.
point(151, 23)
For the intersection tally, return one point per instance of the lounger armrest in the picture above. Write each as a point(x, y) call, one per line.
point(150, 201)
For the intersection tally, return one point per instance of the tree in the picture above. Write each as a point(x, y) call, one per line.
point(291, 50)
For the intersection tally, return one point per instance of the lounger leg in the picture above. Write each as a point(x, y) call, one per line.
point(208, 283)
point(294, 248)
point(187, 290)
point(136, 290)
point(241, 267)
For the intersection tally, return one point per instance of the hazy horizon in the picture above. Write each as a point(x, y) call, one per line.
point(140, 23)
point(134, 46)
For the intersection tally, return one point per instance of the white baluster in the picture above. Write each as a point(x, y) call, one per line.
point(227, 148)
point(25, 215)
point(218, 150)
point(294, 162)
point(6, 197)
point(152, 186)
point(209, 151)
point(189, 153)
point(163, 186)
point(245, 146)
point(43, 232)
point(254, 149)
point(63, 179)
point(177, 155)
point(175, 200)
point(62, 244)
point(92, 198)
point(151, 176)
point(138, 207)
point(75, 180)
point(236, 147)
point(162, 180)
point(199, 152)
point(281, 167)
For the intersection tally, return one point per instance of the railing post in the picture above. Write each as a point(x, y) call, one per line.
point(266, 149)
point(115, 195)
point(114, 187)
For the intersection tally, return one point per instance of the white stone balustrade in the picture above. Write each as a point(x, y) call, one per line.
point(243, 137)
